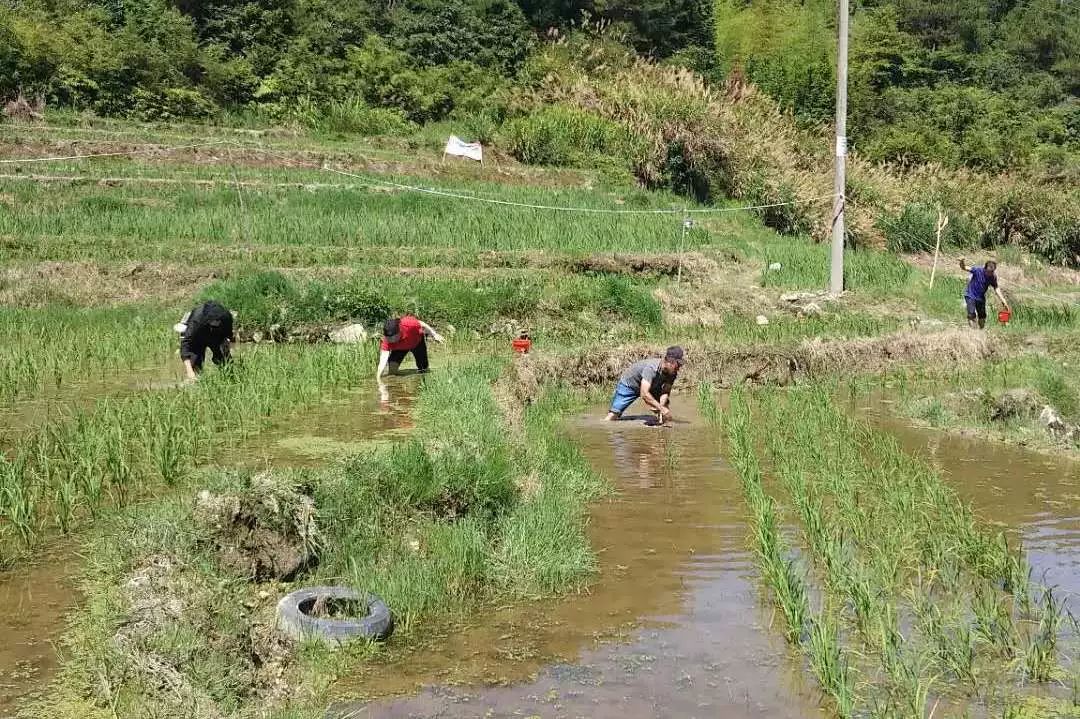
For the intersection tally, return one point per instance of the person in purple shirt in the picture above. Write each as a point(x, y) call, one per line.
point(982, 278)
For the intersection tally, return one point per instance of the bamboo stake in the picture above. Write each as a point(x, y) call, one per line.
point(942, 223)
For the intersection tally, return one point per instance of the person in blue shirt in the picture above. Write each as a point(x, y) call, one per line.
point(982, 278)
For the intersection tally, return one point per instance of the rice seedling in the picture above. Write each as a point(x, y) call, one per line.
point(47, 349)
point(707, 404)
point(993, 621)
point(17, 498)
point(1040, 660)
point(830, 666)
point(890, 538)
point(71, 466)
point(779, 572)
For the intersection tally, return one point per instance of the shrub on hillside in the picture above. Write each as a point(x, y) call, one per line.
point(565, 136)
point(357, 117)
point(915, 229)
point(171, 104)
point(1028, 219)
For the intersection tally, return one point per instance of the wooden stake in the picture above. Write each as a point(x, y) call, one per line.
point(942, 223)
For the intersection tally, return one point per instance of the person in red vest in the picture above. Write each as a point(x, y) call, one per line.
point(402, 335)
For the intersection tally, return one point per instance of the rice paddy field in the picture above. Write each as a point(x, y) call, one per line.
point(862, 509)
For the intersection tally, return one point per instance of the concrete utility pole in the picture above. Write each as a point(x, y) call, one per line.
point(836, 275)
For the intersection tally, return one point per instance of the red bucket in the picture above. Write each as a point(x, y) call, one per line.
point(1004, 316)
point(522, 345)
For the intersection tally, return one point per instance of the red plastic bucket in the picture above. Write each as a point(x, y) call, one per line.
point(1004, 316)
point(521, 345)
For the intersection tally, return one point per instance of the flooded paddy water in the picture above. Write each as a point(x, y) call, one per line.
point(674, 624)
point(341, 425)
point(34, 600)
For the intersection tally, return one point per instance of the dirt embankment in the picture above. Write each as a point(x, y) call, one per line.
point(758, 365)
point(243, 152)
point(93, 283)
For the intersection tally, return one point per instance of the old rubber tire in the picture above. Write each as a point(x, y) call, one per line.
point(294, 619)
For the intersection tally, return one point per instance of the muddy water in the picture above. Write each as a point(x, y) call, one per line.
point(1034, 497)
point(671, 627)
point(33, 599)
point(55, 402)
point(344, 424)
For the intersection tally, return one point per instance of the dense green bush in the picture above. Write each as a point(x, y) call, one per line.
point(1024, 218)
point(915, 229)
point(566, 136)
point(262, 299)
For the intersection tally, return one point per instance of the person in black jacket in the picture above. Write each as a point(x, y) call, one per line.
point(207, 326)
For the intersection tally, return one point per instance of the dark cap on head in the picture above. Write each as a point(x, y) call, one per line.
point(675, 354)
point(391, 327)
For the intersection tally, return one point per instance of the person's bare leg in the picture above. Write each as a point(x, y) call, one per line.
point(613, 417)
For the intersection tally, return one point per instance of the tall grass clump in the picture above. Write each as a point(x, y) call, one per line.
point(559, 135)
point(623, 298)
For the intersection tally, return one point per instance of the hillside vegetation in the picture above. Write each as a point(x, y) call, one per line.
point(988, 85)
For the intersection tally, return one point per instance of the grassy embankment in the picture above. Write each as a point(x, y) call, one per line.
point(463, 513)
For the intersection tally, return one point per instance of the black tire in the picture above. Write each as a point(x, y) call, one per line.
point(294, 619)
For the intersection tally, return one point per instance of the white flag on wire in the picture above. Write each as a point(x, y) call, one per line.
point(456, 146)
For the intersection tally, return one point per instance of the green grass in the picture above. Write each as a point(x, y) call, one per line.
point(465, 512)
point(64, 473)
point(64, 215)
point(917, 593)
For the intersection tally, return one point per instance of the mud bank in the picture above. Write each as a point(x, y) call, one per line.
point(759, 365)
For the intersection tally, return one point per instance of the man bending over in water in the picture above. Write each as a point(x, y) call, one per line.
point(403, 336)
point(651, 380)
point(207, 327)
